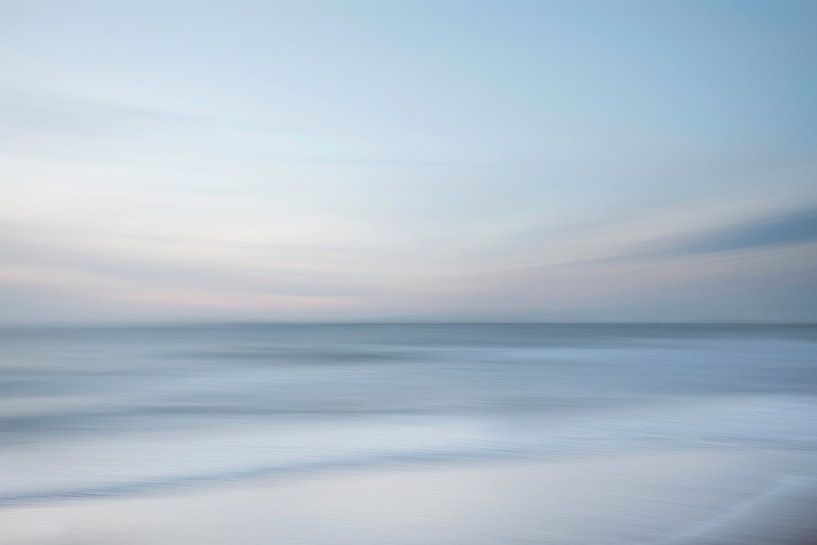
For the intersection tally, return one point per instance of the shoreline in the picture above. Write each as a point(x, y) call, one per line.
point(621, 500)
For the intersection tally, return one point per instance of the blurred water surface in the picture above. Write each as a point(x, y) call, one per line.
point(160, 405)
point(122, 411)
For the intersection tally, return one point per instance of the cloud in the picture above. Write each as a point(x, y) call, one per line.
point(62, 114)
point(772, 232)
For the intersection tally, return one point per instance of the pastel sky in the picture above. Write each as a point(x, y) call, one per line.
point(383, 160)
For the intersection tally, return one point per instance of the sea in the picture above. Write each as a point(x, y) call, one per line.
point(103, 414)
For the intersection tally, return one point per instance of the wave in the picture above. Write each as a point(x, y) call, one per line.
point(126, 489)
point(139, 464)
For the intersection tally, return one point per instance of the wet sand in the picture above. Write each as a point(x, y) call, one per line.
point(683, 497)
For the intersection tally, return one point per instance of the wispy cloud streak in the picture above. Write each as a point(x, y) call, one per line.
point(785, 230)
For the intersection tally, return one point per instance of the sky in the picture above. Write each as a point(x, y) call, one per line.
point(389, 161)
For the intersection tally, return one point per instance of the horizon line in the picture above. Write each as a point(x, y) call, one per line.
point(240, 323)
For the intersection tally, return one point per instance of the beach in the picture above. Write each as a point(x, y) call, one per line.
point(654, 499)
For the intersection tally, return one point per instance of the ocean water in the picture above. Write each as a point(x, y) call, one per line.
point(105, 414)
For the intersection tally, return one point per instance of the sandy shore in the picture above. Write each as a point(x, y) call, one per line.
point(660, 498)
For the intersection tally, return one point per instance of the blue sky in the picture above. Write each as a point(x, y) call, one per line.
point(408, 160)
